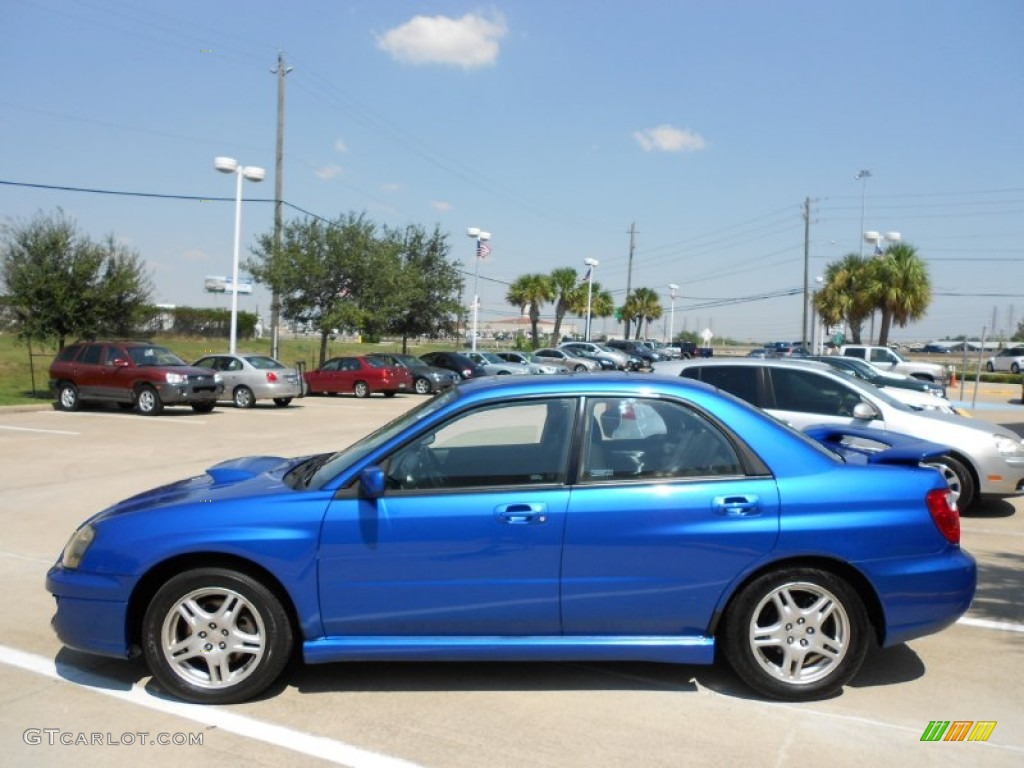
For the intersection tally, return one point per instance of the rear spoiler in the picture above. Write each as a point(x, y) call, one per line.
point(864, 445)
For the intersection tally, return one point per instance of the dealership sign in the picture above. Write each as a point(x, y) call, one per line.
point(215, 284)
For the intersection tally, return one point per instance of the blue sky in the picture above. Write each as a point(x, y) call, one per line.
point(554, 125)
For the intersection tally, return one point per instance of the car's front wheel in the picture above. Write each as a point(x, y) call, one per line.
point(216, 636)
point(67, 397)
point(243, 397)
point(796, 634)
point(958, 478)
point(580, 368)
point(361, 389)
point(148, 402)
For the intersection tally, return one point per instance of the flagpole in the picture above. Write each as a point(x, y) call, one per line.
point(482, 250)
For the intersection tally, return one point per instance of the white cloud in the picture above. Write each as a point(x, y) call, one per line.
point(469, 42)
point(340, 146)
point(391, 186)
point(666, 138)
point(441, 206)
point(329, 172)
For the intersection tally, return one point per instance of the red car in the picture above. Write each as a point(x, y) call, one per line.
point(361, 376)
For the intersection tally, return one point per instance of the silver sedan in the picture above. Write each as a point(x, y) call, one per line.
point(248, 378)
point(566, 358)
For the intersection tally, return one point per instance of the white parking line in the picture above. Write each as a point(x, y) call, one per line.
point(43, 431)
point(319, 747)
point(1003, 626)
point(135, 417)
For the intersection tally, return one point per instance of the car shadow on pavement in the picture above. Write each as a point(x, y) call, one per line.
point(984, 509)
point(1000, 584)
point(99, 672)
point(889, 666)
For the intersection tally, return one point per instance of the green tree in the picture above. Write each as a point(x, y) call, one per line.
point(900, 287)
point(328, 273)
point(570, 296)
point(530, 293)
point(428, 287)
point(601, 304)
point(61, 284)
point(642, 306)
point(846, 294)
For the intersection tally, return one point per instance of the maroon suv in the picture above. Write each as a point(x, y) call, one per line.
point(132, 374)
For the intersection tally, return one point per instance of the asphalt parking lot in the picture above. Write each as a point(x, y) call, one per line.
point(56, 469)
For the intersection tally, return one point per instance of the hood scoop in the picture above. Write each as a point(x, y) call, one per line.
point(236, 470)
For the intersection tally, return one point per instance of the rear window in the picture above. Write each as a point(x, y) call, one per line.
point(740, 381)
point(68, 353)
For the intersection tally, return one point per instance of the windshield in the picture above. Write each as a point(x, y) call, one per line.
point(154, 356)
point(490, 357)
point(332, 464)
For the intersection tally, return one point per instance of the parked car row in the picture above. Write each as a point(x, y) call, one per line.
point(982, 460)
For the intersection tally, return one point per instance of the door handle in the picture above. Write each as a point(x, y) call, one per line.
point(737, 506)
point(522, 513)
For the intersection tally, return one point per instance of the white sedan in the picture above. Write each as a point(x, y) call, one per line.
point(1010, 359)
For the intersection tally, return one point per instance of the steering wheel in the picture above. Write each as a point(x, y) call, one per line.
point(416, 466)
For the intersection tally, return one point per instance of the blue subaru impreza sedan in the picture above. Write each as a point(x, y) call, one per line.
point(605, 517)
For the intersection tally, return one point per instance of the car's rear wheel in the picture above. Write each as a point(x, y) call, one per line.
point(282, 402)
point(216, 636)
point(148, 402)
point(959, 479)
point(1014, 368)
point(361, 389)
point(243, 397)
point(796, 633)
point(580, 368)
point(67, 397)
point(422, 387)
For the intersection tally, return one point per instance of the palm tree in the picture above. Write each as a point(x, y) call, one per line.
point(846, 295)
point(901, 287)
point(601, 304)
point(569, 295)
point(642, 305)
point(529, 293)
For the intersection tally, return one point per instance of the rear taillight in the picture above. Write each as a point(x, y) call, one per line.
point(945, 514)
point(467, 373)
point(271, 377)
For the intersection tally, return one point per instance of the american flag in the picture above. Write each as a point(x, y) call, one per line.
point(482, 249)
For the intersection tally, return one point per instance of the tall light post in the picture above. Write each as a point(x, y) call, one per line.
point(482, 249)
point(876, 239)
point(252, 173)
point(673, 288)
point(862, 177)
point(591, 264)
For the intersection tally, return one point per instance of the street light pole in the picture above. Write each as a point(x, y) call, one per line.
point(672, 287)
point(252, 173)
point(591, 264)
point(876, 239)
point(482, 249)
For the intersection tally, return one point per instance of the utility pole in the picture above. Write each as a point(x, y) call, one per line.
point(629, 277)
point(275, 296)
point(807, 266)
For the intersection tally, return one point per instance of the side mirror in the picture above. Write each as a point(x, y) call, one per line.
point(371, 482)
point(864, 411)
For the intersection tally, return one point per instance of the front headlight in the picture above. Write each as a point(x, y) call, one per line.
point(1009, 448)
point(77, 546)
point(176, 378)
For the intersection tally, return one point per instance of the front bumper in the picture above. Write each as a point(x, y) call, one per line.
point(189, 393)
point(92, 611)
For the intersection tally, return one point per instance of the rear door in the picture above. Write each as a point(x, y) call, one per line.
point(664, 515)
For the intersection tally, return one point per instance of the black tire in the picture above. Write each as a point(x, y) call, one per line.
point(811, 612)
point(243, 397)
point(958, 477)
point(422, 386)
point(245, 632)
point(67, 397)
point(389, 394)
point(282, 402)
point(148, 402)
point(989, 367)
point(361, 389)
point(1014, 368)
point(203, 407)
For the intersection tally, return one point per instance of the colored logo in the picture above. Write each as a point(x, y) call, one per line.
point(958, 730)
